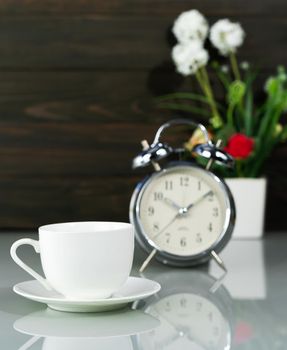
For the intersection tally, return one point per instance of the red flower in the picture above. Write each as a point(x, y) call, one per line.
point(239, 146)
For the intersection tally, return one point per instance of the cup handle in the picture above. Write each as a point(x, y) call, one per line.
point(18, 261)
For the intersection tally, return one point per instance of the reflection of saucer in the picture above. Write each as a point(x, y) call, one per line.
point(134, 289)
point(48, 323)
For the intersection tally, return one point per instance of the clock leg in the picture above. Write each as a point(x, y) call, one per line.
point(218, 260)
point(147, 260)
point(29, 343)
point(221, 264)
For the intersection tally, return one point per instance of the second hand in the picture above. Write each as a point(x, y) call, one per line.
point(166, 226)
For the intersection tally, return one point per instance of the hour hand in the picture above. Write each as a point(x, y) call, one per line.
point(171, 203)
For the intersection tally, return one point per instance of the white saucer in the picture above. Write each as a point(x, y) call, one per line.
point(134, 289)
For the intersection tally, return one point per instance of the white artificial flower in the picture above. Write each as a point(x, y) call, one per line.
point(225, 68)
point(226, 36)
point(184, 69)
point(244, 65)
point(188, 58)
point(190, 25)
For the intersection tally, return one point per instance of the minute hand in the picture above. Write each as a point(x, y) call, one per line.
point(198, 200)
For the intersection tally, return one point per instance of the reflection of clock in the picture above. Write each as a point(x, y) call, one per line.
point(191, 316)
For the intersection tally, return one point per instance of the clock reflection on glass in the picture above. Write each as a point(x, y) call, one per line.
point(191, 315)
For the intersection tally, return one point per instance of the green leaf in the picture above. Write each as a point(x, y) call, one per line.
point(185, 108)
point(265, 120)
point(262, 153)
point(248, 113)
point(284, 101)
point(271, 86)
point(225, 133)
point(183, 95)
point(186, 96)
point(283, 134)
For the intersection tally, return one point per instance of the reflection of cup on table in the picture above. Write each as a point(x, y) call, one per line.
point(114, 330)
point(82, 260)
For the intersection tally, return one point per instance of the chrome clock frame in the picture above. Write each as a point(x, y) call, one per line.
point(172, 259)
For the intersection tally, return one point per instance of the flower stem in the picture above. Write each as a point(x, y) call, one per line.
point(230, 114)
point(208, 86)
point(239, 168)
point(204, 83)
point(200, 81)
point(234, 65)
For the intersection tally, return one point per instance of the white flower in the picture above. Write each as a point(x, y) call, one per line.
point(225, 68)
point(244, 65)
point(190, 25)
point(188, 58)
point(226, 36)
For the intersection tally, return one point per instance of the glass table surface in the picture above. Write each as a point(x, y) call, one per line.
point(196, 309)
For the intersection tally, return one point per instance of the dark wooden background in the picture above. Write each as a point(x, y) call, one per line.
point(77, 83)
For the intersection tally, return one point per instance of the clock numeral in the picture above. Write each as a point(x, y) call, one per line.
point(184, 181)
point(198, 238)
point(199, 185)
point(183, 302)
point(167, 306)
point(167, 235)
point(210, 316)
point(216, 331)
point(150, 211)
point(210, 227)
point(155, 226)
point(168, 185)
point(183, 242)
point(198, 306)
point(157, 196)
point(210, 197)
point(215, 212)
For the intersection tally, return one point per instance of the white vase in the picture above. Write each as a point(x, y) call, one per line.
point(249, 196)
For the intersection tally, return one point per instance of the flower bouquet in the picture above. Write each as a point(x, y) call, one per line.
point(249, 129)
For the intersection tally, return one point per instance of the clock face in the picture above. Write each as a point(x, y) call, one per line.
point(183, 210)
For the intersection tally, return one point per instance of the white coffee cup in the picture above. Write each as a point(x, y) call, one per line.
point(82, 260)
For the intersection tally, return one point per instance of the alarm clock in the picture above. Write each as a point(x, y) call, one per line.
point(190, 315)
point(183, 213)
